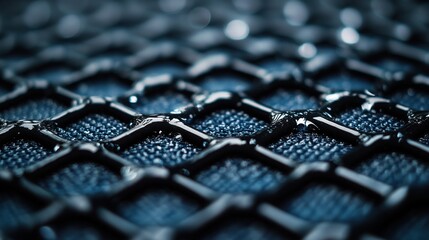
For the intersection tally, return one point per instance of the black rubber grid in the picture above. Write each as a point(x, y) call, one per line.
point(145, 127)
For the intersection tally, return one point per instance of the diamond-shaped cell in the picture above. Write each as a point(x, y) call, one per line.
point(157, 207)
point(277, 66)
point(104, 85)
point(174, 68)
point(223, 49)
point(224, 82)
point(164, 102)
point(395, 168)
point(160, 150)
point(289, 100)
point(304, 147)
point(14, 207)
point(78, 229)
point(91, 128)
point(34, 108)
point(53, 73)
point(413, 224)
point(21, 153)
point(113, 54)
point(240, 175)
point(328, 203)
point(239, 228)
point(417, 99)
point(229, 123)
point(394, 64)
point(79, 178)
point(326, 50)
point(370, 121)
point(346, 82)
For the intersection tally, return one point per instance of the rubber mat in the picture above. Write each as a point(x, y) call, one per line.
point(241, 119)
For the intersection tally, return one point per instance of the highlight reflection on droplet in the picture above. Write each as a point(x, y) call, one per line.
point(132, 99)
point(349, 35)
point(237, 30)
point(307, 50)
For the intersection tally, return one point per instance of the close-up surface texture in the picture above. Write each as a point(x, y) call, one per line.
point(240, 119)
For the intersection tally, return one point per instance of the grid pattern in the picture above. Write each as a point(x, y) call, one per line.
point(178, 120)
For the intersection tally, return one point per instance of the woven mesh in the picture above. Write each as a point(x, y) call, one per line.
point(93, 127)
point(289, 100)
point(236, 175)
point(35, 109)
point(53, 74)
point(85, 178)
point(165, 67)
point(330, 204)
point(160, 150)
point(243, 229)
point(77, 229)
point(346, 82)
point(412, 98)
point(158, 207)
point(224, 83)
point(371, 122)
point(22, 153)
point(229, 123)
point(310, 147)
point(102, 87)
point(394, 168)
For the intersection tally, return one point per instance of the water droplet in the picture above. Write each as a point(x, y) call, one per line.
point(157, 161)
point(178, 137)
point(307, 50)
point(237, 30)
point(349, 35)
point(133, 99)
